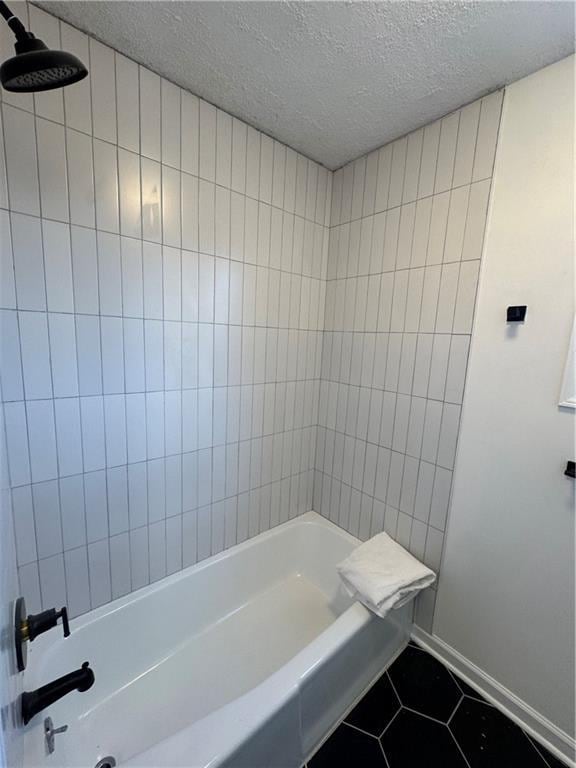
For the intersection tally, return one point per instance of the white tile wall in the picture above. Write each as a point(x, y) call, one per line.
point(407, 226)
point(204, 333)
point(162, 307)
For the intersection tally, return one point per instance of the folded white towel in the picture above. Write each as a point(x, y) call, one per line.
point(383, 575)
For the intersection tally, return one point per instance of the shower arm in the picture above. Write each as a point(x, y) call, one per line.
point(14, 23)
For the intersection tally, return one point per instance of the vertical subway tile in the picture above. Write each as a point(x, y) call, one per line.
point(171, 207)
point(132, 277)
point(137, 495)
point(89, 355)
point(58, 266)
point(50, 139)
point(103, 79)
point(170, 124)
point(21, 160)
point(207, 161)
point(112, 355)
point(46, 501)
point(487, 136)
point(157, 546)
point(456, 373)
point(466, 144)
point(8, 284)
point(42, 439)
point(150, 113)
point(77, 581)
point(465, 297)
point(11, 376)
point(28, 262)
point(412, 169)
point(127, 103)
point(77, 97)
point(109, 273)
point(447, 298)
point(189, 132)
point(440, 498)
point(115, 430)
point(446, 152)
point(456, 223)
point(24, 527)
point(129, 194)
point(84, 270)
point(52, 581)
point(139, 558)
point(136, 427)
point(68, 436)
point(428, 159)
point(35, 349)
point(448, 435)
point(253, 162)
point(151, 180)
point(238, 168)
point(106, 186)
point(99, 570)
point(15, 421)
point(72, 511)
point(63, 354)
point(80, 178)
point(96, 506)
point(93, 443)
point(223, 148)
point(476, 220)
point(29, 580)
point(117, 496)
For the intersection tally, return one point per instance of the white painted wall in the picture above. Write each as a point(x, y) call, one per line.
point(506, 594)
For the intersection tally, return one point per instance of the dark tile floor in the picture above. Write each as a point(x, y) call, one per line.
point(420, 715)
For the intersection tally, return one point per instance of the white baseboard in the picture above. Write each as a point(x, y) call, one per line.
point(556, 741)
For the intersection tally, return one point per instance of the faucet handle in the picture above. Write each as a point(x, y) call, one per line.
point(42, 622)
point(28, 627)
point(63, 614)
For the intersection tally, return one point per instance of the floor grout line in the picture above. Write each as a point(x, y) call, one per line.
point(460, 700)
point(356, 728)
point(394, 716)
point(455, 740)
point(427, 717)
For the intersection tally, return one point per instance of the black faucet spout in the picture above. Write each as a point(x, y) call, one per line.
point(35, 701)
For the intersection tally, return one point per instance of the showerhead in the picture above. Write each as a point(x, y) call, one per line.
point(35, 67)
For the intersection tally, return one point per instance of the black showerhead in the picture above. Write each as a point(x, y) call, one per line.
point(35, 67)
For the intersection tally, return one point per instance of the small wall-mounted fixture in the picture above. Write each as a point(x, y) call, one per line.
point(570, 470)
point(516, 314)
point(27, 628)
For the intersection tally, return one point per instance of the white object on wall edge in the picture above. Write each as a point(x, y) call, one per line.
point(568, 393)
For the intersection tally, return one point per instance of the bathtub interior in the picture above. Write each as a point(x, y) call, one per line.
point(198, 640)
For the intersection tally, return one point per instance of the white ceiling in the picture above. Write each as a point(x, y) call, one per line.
point(333, 79)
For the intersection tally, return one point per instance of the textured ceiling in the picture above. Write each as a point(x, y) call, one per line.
point(333, 79)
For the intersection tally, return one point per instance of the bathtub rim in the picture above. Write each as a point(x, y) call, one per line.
point(95, 614)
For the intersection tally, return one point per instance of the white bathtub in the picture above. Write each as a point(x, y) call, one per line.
point(244, 660)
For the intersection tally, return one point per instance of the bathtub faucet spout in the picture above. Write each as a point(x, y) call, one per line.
point(35, 701)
